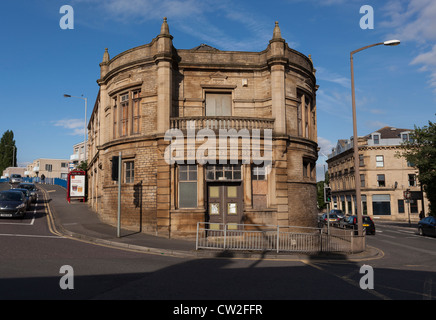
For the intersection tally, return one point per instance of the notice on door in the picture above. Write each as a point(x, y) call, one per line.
point(77, 186)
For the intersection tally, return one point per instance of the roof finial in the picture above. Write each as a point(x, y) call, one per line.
point(106, 57)
point(165, 30)
point(277, 33)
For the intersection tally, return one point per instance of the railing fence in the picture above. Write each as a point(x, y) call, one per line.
point(276, 238)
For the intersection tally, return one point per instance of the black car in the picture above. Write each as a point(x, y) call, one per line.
point(27, 194)
point(350, 222)
point(427, 226)
point(31, 187)
point(12, 204)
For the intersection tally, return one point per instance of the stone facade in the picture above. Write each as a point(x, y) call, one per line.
point(150, 89)
point(384, 177)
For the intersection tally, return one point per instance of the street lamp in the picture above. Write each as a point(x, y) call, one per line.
point(86, 107)
point(355, 142)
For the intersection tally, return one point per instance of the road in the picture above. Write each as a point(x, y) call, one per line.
point(32, 256)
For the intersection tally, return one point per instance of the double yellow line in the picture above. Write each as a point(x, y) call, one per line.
point(50, 219)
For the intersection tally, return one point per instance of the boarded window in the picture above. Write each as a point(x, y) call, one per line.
point(218, 104)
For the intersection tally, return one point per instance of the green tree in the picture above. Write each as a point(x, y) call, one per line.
point(420, 150)
point(8, 151)
point(320, 188)
point(83, 166)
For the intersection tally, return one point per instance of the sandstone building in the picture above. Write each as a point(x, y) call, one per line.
point(384, 176)
point(155, 89)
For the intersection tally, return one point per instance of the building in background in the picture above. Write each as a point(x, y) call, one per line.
point(50, 168)
point(148, 90)
point(78, 155)
point(384, 176)
point(13, 170)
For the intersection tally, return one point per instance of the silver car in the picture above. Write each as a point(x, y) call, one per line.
point(16, 178)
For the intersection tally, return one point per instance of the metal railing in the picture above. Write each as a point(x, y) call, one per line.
point(276, 238)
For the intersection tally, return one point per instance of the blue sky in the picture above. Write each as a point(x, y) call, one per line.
point(39, 61)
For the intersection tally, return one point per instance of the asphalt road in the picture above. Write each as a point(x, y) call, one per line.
point(32, 257)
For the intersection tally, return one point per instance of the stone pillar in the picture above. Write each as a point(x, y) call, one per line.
point(277, 61)
point(164, 62)
point(164, 78)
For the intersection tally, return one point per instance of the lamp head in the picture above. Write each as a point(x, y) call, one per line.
point(392, 43)
point(67, 96)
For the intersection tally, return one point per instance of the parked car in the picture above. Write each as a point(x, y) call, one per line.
point(427, 226)
point(350, 222)
point(333, 218)
point(15, 178)
point(31, 187)
point(27, 195)
point(338, 212)
point(12, 204)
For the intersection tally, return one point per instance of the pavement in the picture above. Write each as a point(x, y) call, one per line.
point(78, 221)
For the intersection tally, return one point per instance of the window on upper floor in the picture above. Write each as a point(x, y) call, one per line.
point(127, 113)
point(362, 180)
point(376, 138)
point(412, 180)
point(124, 119)
point(361, 160)
point(381, 182)
point(136, 112)
point(379, 161)
point(218, 104)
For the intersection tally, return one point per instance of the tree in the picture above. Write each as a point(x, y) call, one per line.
point(420, 151)
point(8, 151)
point(320, 195)
point(83, 166)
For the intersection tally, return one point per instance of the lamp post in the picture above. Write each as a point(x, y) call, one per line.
point(86, 107)
point(355, 142)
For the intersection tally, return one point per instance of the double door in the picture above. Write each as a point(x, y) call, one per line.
point(225, 205)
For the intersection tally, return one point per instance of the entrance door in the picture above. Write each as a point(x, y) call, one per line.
point(225, 202)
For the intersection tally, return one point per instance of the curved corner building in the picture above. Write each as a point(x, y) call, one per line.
point(175, 114)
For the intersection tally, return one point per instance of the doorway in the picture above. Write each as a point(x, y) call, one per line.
point(225, 202)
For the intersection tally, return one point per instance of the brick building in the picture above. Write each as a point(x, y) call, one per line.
point(384, 176)
point(152, 91)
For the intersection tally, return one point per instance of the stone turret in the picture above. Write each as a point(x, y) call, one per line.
point(277, 61)
point(104, 65)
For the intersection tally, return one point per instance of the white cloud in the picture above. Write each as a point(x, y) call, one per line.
point(375, 124)
point(325, 146)
point(75, 126)
point(414, 21)
point(194, 18)
point(325, 75)
point(428, 62)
